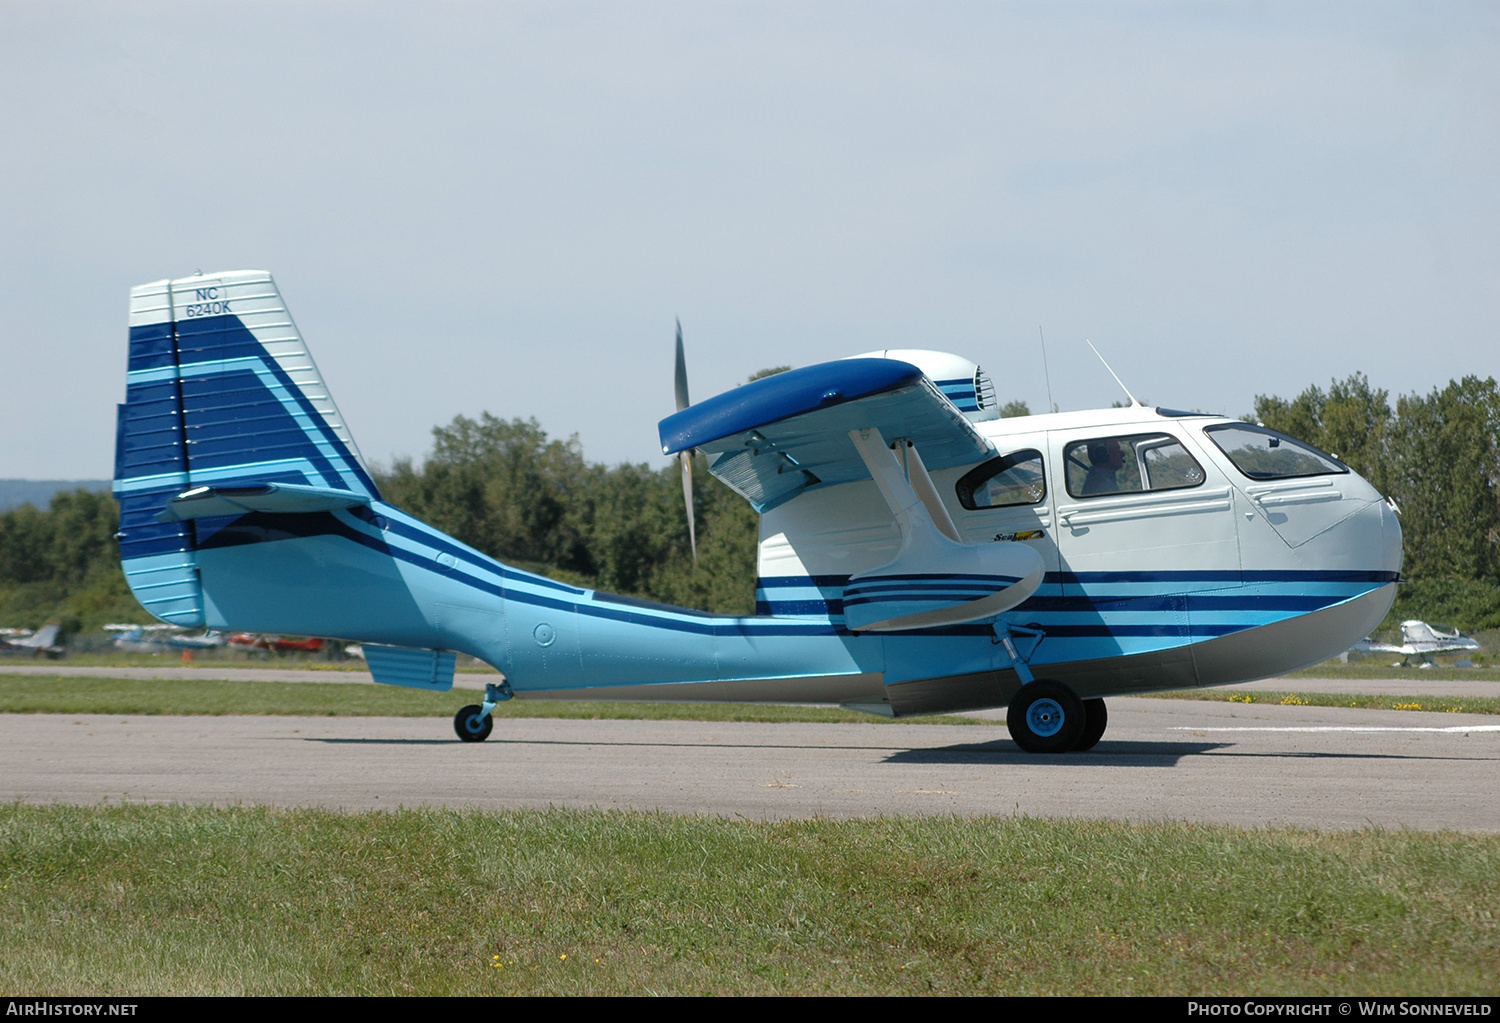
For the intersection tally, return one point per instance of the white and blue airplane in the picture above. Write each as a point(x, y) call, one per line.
point(918, 554)
point(1422, 641)
point(38, 644)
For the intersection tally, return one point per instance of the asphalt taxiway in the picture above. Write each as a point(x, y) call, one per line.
point(1249, 765)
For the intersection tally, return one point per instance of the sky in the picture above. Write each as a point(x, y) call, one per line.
point(503, 207)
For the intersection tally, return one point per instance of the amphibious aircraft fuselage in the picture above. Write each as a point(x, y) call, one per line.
point(917, 553)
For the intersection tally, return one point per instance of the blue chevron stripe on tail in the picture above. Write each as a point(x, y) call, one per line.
point(221, 391)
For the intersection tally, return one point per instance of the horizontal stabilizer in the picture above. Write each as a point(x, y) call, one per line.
point(772, 439)
point(413, 668)
point(274, 498)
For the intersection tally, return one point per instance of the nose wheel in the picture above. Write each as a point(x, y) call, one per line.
point(1048, 717)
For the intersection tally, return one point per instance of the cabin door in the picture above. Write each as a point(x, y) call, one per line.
point(1143, 520)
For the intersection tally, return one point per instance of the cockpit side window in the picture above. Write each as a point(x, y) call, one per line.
point(1129, 465)
point(1263, 454)
point(1013, 479)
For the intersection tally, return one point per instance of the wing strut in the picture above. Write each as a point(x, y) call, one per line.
point(935, 580)
point(921, 484)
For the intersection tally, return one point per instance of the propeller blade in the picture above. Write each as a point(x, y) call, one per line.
point(680, 381)
point(679, 385)
point(687, 498)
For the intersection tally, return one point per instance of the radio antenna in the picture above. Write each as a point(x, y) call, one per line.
point(1051, 405)
point(1134, 402)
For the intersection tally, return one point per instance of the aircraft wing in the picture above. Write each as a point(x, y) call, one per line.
point(774, 438)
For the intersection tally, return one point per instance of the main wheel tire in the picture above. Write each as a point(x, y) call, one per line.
point(472, 724)
point(1045, 717)
point(1095, 719)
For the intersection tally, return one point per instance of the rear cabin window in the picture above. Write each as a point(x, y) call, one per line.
point(1129, 465)
point(1265, 454)
point(1004, 482)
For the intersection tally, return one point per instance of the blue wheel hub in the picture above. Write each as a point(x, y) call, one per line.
point(1045, 717)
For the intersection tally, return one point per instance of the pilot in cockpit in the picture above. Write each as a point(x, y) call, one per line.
point(1105, 461)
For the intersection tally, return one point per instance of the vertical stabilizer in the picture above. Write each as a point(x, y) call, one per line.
point(221, 391)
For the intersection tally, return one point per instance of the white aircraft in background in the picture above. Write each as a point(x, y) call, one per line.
point(1420, 640)
point(43, 642)
point(918, 554)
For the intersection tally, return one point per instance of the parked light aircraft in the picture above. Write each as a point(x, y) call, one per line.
point(43, 642)
point(917, 553)
point(156, 639)
point(276, 644)
point(1420, 640)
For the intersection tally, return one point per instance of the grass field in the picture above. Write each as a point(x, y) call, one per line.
point(1444, 704)
point(140, 900)
point(160, 900)
point(1385, 670)
point(232, 658)
point(67, 694)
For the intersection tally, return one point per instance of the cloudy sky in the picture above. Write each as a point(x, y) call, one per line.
point(503, 206)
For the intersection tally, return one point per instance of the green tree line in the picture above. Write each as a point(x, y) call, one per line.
point(63, 565)
point(507, 488)
point(1438, 456)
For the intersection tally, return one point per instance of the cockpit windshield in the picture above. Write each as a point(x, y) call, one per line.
point(1263, 454)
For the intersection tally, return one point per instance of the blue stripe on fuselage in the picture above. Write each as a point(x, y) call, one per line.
point(1261, 597)
point(1184, 617)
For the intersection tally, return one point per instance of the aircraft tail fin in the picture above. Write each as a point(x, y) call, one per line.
point(44, 638)
point(221, 393)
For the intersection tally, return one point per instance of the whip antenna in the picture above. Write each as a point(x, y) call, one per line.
point(1051, 405)
point(1134, 401)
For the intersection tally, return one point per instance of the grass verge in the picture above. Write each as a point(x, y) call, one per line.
point(164, 900)
point(1445, 704)
point(212, 658)
point(1387, 671)
point(222, 657)
point(66, 694)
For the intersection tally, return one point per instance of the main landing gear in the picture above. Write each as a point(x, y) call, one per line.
point(1048, 717)
point(475, 722)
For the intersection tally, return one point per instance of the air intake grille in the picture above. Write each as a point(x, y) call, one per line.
point(984, 391)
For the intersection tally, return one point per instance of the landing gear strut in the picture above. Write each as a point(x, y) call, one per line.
point(475, 722)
